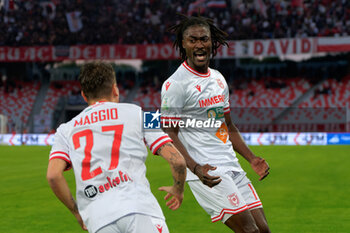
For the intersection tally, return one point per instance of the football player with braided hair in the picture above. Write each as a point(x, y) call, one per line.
point(214, 174)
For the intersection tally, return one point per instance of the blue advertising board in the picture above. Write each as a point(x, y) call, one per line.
point(338, 139)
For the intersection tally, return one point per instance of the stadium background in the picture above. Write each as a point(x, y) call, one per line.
point(288, 71)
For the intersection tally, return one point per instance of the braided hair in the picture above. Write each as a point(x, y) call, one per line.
point(218, 37)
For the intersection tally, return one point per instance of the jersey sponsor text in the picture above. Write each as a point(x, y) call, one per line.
point(211, 101)
point(111, 183)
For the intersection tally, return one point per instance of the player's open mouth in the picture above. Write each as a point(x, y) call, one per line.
point(200, 56)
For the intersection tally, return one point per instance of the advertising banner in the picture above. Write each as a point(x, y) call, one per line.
point(338, 139)
point(26, 139)
point(288, 47)
point(293, 139)
point(259, 139)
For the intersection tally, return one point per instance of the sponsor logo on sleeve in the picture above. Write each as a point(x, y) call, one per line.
point(165, 104)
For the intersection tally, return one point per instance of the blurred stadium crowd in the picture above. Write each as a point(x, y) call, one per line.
point(66, 22)
point(264, 93)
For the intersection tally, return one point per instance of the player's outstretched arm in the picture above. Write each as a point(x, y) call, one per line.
point(197, 169)
point(258, 164)
point(178, 170)
point(60, 187)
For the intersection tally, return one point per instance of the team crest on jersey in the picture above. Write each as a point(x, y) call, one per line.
point(233, 198)
point(167, 85)
point(198, 88)
point(220, 83)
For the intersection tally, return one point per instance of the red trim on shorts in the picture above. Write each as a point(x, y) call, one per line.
point(254, 204)
point(251, 188)
point(155, 149)
point(229, 211)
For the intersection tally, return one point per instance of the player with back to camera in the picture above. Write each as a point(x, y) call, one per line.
point(105, 146)
point(214, 174)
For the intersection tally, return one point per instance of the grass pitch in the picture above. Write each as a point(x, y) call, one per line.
point(307, 192)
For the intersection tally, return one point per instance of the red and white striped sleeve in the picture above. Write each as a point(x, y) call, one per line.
point(156, 139)
point(227, 107)
point(60, 149)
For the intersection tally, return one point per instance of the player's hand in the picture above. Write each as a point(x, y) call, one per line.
point(261, 167)
point(202, 173)
point(175, 195)
point(80, 221)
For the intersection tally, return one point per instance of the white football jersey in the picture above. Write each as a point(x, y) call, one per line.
point(204, 97)
point(105, 145)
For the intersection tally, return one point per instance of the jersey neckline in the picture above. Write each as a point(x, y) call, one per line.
point(98, 103)
point(202, 75)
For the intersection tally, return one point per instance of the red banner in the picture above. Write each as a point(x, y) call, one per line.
point(87, 52)
point(236, 49)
